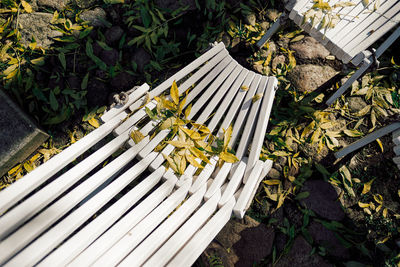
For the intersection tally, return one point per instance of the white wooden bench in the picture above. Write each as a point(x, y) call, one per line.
point(359, 28)
point(132, 211)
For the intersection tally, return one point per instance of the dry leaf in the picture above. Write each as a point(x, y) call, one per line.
point(363, 205)
point(272, 182)
point(367, 187)
point(187, 110)
point(244, 88)
point(256, 97)
point(27, 7)
point(228, 157)
point(136, 136)
point(94, 122)
point(175, 93)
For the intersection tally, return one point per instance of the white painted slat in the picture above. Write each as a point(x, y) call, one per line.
point(244, 109)
point(308, 27)
point(218, 180)
point(353, 30)
point(367, 139)
point(207, 94)
point(227, 100)
point(234, 183)
point(193, 249)
point(153, 143)
point(15, 192)
point(204, 175)
point(261, 126)
point(298, 13)
point(71, 248)
point(244, 198)
point(134, 96)
point(134, 118)
point(164, 231)
point(175, 243)
point(109, 238)
point(48, 241)
point(271, 31)
point(237, 103)
point(186, 70)
point(251, 119)
point(222, 55)
point(372, 31)
point(46, 218)
point(40, 199)
point(233, 71)
point(298, 7)
point(131, 239)
point(356, 46)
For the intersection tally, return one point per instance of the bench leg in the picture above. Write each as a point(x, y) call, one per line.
point(272, 30)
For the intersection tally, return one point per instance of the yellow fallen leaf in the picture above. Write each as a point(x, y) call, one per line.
point(192, 160)
point(378, 198)
point(228, 157)
point(187, 110)
point(175, 93)
point(170, 161)
point(15, 170)
point(384, 213)
point(168, 123)
point(272, 182)
point(256, 97)
point(227, 136)
point(94, 122)
point(363, 205)
point(28, 166)
point(380, 144)
point(367, 187)
point(191, 133)
point(179, 144)
point(244, 88)
point(196, 152)
point(136, 136)
point(27, 7)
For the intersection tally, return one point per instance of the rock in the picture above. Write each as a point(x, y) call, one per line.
point(38, 25)
point(278, 60)
point(264, 25)
point(97, 93)
point(328, 239)
point(123, 81)
point(283, 42)
point(113, 34)
point(293, 213)
point(278, 167)
point(85, 3)
point(230, 234)
point(312, 150)
point(94, 16)
point(309, 48)
point(308, 78)
point(274, 174)
point(250, 19)
point(255, 244)
point(33, 4)
point(272, 14)
point(141, 58)
point(226, 39)
point(110, 57)
point(228, 258)
point(271, 49)
point(56, 4)
point(74, 82)
point(300, 255)
point(322, 200)
point(356, 103)
point(20, 136)
point(173, 4)
point(282, 161)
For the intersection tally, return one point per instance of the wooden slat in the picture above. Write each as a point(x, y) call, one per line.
point(81, 240)
point(396, 137)
point(104, 242)
point(234, 183)
point(48, 241)
point(15, 192)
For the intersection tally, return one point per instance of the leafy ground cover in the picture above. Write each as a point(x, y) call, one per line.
point(311, 209)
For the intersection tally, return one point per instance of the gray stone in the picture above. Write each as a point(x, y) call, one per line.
point(19, 135)
point(300, 255)
point(110, 57)
point(356, 103)
point(322, 200)
point(328, 239)
point(226, 39)
point(141, 58)
point(309, 48)
point(271, 49)
point(175, 4)
point(308, 78)
point(278, 167)
point(56, 4)
point(94, 16)
point(37, 25)
point(250, 19)
point(272, 14)
point(274, 174)
point(85, 3)
point(113, 34)
point(312, 150)
point(278, 60)
point(264, 25)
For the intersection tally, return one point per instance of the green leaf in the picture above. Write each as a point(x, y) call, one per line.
point(302, 195)
point(146, 19)
point(104, 45)
point(53, 101)
point(111, 2)
point(61, 57)
point(85, 81)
